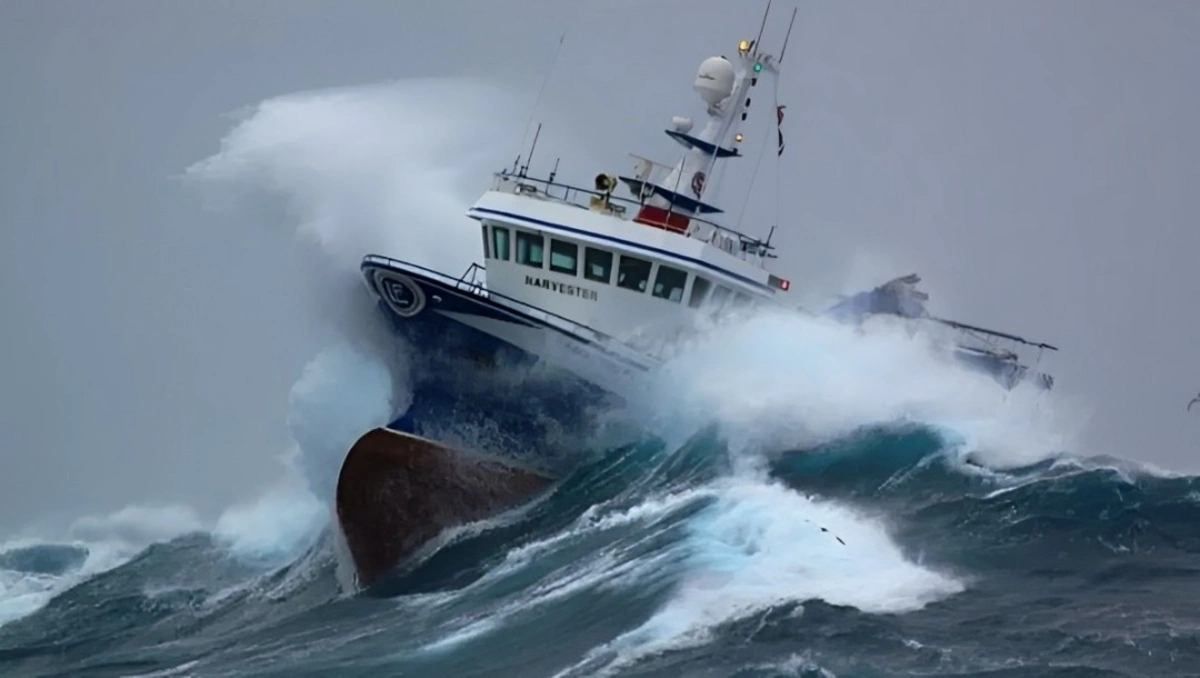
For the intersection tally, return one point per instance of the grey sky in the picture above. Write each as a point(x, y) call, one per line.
point(1036, 162)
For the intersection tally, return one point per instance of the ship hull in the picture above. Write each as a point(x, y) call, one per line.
point(487, 422)
point(397, 492)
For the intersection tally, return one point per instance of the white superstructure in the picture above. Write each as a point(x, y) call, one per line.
point(647, 260)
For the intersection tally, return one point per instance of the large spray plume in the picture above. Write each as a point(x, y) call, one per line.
point(386, 169)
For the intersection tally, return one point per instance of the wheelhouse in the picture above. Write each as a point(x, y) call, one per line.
point(587, 278)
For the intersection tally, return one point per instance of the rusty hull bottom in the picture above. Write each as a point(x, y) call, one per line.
point(397, 491)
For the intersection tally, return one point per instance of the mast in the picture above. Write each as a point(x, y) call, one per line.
point(724, 85)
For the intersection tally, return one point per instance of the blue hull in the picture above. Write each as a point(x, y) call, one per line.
point(470, 386)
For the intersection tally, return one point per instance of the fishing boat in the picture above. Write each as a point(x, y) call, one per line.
point(579, 296)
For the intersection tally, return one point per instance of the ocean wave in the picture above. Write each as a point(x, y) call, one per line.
point(650, 557)
point(801, 498)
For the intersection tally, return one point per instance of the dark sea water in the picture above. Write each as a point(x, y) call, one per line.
point(887, 552)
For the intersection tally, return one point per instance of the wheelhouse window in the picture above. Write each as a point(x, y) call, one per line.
point(486, 250)
point(720, 295)
point(633, 273)
point(700, 288)
point(669, 283)
point(531, 249)
point(564, 256)
point(597, 264)
point(500, 243)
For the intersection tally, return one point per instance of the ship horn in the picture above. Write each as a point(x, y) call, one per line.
point(605, 183)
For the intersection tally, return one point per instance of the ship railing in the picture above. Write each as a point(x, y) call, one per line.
point(469, 282)
point(1001, 345)
point(729, 240)
point(473, 279)
point(981, 332)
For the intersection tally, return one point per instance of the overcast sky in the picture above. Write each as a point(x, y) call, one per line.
point(1036, 162)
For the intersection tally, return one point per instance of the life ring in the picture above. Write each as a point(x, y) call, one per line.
point(403, 296)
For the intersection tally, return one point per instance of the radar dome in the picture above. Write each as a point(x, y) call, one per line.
point(714, 80)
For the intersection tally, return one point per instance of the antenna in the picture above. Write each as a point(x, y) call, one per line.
point(761, 27)
point(525, 167)
point(787, 37)
point(562, 38)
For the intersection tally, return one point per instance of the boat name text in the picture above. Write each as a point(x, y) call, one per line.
point(561, 288)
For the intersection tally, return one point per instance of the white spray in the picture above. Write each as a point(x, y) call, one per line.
point(387, 168)
point(784, 381)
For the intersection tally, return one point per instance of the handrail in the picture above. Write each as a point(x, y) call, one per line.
point(1003, 335)
point(515, 304)
point(473, 285)
point(761, 246)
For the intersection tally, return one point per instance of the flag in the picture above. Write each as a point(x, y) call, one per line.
point(778, 124)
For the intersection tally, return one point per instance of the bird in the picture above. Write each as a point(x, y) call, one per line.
point(1193, 402)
